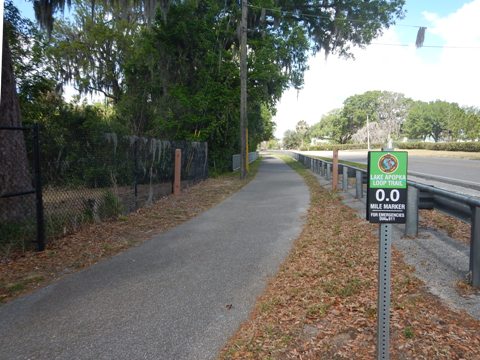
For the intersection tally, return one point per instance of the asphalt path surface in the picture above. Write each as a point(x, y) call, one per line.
point(450, 168)
point(180, 295)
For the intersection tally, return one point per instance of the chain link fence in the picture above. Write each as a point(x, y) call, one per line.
point(18, 190)
point(90, 177)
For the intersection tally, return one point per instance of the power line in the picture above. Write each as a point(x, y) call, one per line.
point(303, 15)
point(285, 12)
point(429, 46)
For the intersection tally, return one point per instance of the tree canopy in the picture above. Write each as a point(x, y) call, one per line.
point(392, 115)
point(438, 120)
point(385, 111)
point(171, 68)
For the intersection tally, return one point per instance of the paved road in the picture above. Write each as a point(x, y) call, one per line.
point(459, 169)
point(166, 299)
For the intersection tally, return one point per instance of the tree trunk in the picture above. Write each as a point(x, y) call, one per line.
point(14, 169)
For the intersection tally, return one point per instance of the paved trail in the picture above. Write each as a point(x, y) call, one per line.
point(166, 299)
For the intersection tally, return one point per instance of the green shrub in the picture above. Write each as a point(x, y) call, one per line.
point(111, 206)
point(445, 146)
point(327, 147)
point(16, 236)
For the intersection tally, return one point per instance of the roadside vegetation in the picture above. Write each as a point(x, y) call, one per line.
point(322, 303)
point(383, 115)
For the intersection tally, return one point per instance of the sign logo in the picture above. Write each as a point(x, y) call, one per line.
point(387, 187)
point(388, 163)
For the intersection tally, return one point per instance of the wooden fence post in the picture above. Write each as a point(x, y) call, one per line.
point(178, 172)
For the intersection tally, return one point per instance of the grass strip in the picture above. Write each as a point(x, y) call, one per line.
point(322, 302)
point(345, 162)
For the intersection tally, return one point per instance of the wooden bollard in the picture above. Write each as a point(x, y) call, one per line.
point(178, 172)
point(335, 170)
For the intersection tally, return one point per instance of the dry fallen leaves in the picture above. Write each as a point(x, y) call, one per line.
point(23, 272)
point(453, 227)
point(322, 303)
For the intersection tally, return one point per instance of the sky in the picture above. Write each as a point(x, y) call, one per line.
point(447, 73)
point(427, 74)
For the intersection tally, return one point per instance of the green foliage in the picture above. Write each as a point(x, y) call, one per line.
point(386, 111)
point(34, 76)
point(111, 207)
point(392, 115)
point(291, 140)
point(273, 144)
point(468, 128)
point(408, 332)
point(441, 120)
point(182, 81)
point(444, 146)
point(16, 236)
point(325, 147)
point(91, 50)
point(300, 138)
point(72, 136)
point(336, 127)
point(355, 110)
point(179, 78)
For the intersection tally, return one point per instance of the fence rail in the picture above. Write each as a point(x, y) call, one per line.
point(252, 156)
point(420, 196)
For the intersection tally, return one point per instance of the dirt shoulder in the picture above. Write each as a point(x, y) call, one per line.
point(23, 272)
point(322, 303)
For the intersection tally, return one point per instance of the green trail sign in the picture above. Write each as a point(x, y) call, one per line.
point(387, 187)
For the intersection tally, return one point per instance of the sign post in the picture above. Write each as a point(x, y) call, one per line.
point(386, 205)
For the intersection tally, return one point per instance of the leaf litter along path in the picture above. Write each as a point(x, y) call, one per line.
point(24, 272)
point(322, 303)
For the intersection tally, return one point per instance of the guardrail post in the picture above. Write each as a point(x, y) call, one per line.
point(335, 170)
point(358, 184)
point(329, 171)
point(411, 225)
point(475, 247)
point(345, 178)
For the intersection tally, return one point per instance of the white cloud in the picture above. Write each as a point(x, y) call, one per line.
point(422, 74)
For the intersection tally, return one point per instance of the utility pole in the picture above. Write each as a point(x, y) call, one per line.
point(368, 133)
point(243, 91)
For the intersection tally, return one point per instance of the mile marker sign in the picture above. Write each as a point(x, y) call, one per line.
point(387, 187)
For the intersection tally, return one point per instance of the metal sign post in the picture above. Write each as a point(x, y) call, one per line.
point(386, 204)
point(383, 301)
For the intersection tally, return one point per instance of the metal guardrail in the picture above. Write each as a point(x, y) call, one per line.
point(420, 196)
point(252, 156)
